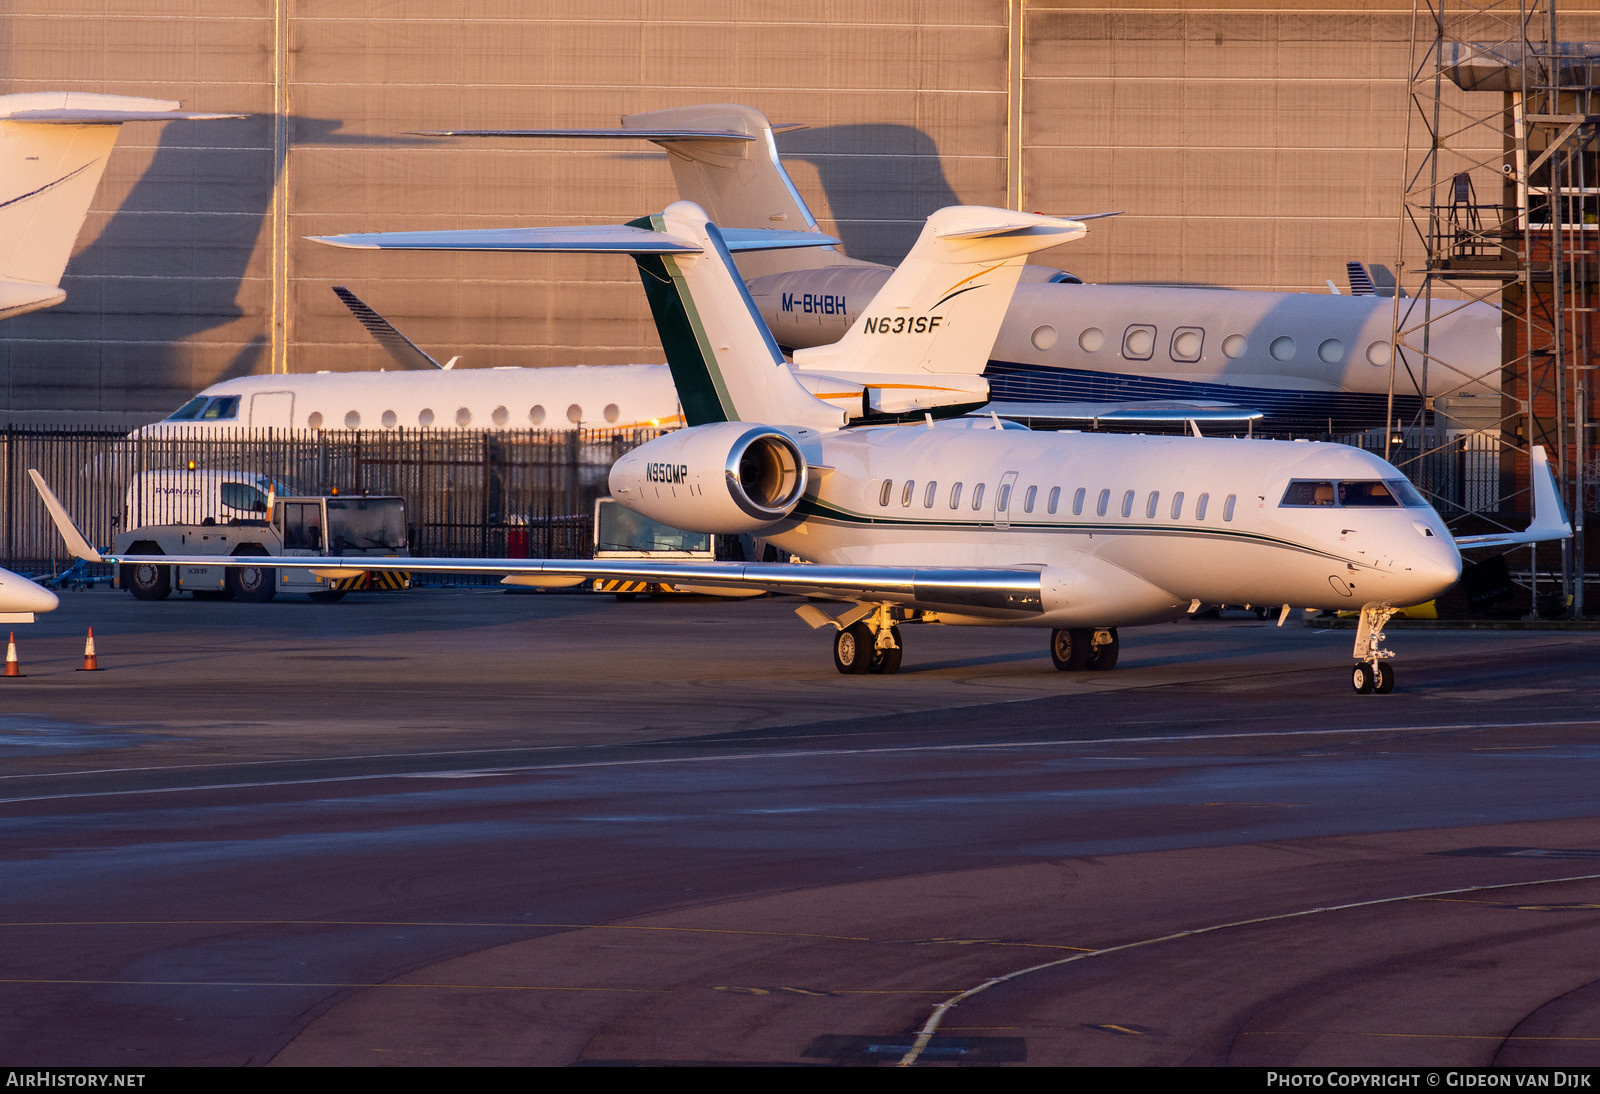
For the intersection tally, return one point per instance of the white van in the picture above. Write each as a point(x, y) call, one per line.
point(182, 496)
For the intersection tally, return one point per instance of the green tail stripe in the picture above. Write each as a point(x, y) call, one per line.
point(694, 368)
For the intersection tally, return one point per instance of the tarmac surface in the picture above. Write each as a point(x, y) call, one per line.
point(470, 827)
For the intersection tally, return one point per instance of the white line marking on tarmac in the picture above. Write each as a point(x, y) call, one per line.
point(931, 1026)
point(736, 757)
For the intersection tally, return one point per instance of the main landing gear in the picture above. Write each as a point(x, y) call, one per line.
point(869, 644)
point(1373, 675)
point(1079, 648)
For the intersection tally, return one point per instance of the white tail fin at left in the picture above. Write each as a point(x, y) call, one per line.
point(53, 150)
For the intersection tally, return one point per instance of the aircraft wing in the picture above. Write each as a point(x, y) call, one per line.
point(1004, 589)
point(599, 239)
point(1128, 412)
point(1549, 515)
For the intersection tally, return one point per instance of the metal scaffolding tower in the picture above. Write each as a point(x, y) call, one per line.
point(1499, 208)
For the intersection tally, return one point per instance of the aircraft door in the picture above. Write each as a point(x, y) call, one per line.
point(272, 408)
point(1004, 499)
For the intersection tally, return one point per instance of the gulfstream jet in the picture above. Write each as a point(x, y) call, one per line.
point(1068, 351)
point(53, 150)
point(961, 522)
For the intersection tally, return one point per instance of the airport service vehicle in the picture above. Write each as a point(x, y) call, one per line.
point(624, 536)
point(961, 521)
point(325, 526)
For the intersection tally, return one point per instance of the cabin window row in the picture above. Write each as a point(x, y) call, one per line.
point(1186, 344)
point(500, 417)
point(1175, 508)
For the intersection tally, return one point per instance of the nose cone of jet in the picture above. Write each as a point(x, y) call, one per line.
point(18, 594)
point(1433, 569)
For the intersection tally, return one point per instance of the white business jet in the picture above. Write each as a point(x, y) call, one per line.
point(1070, 351)
point(53, 149)
point(961, 522)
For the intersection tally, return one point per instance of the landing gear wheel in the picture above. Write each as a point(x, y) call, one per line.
point(147, 581)
point(887, 662)
point(1385, 682)
point(1104, 650)
point(1069, 649)
point(1363, 678)
point(852, 649)
point(252, 584)
point(327, 596)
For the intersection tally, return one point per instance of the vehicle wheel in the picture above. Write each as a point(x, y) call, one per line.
point(252, 584)
point(1362, 678)
point(887, 662)
point(1069, 649)
point(147, 581)
point(327, 596)
point(1384, 684)
point(1103, 654)
point(852, 649)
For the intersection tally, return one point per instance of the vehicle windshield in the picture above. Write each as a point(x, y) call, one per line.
point(624, 530)
point(366, 524)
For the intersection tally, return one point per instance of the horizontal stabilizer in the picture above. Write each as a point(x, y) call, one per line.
point(599, 239)
point(87, 108)
point(658, 135)
point(1549, 521)
point(403, 350)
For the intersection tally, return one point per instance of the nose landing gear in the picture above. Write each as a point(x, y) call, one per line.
point(1373, 675)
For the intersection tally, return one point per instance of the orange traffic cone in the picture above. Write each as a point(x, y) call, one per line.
point(90, 662)
point(12, 667)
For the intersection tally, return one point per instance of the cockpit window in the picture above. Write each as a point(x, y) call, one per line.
point(1303, 493)
point(1409, 495)
point(189, 411)
point(225, 408)
point(1352, 494)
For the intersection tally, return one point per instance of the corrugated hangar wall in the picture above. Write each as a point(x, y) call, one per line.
point(1256, 147)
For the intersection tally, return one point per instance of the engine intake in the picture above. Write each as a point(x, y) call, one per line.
point(726, 478)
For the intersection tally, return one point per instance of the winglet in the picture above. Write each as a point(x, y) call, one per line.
point(58, 513)
point(1549, 520)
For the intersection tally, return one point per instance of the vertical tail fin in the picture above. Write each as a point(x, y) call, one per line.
point(739, 183)
point(724, 361)
point(941, 309)
point(53, 150)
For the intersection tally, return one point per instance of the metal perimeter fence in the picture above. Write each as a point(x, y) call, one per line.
point(528, 493)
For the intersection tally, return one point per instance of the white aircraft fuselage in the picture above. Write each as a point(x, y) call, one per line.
point(1300, 358)
point(593, 397)
point(1125, 529)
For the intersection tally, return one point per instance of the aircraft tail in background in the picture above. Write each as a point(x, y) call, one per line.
point(724, 159)
point(53, 150)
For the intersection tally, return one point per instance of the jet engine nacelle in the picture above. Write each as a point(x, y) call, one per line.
point(725, 479)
